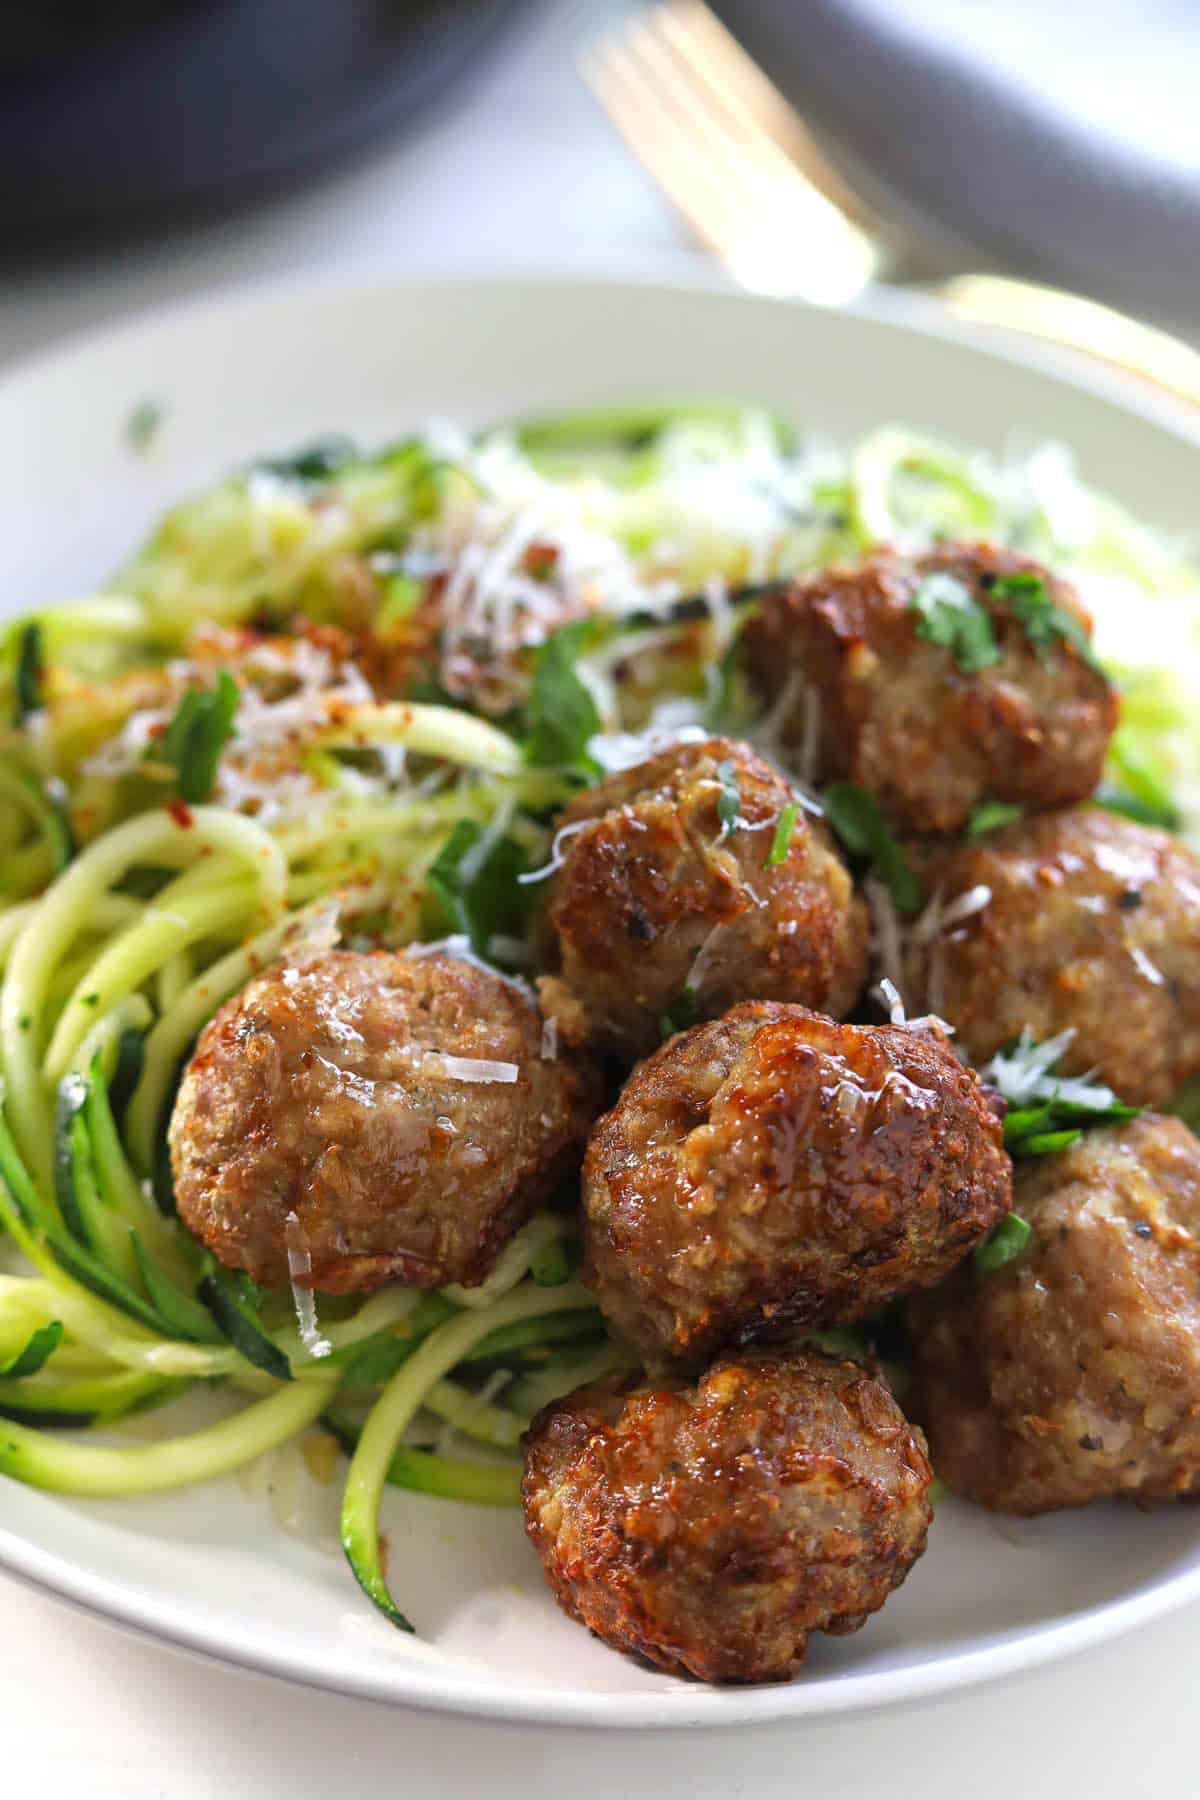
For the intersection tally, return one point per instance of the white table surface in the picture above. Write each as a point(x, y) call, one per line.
point(520, 170)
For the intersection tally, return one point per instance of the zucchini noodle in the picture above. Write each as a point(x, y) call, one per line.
point(340, 699)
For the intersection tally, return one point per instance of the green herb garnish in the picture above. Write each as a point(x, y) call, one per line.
point(992, 815)
point(562, 714)
point(1002, 1245)
point(30, 676)
point(949, 615)
point(474, 887)
point(143, 424)
point(680, 1015)
point(1129, 806)
point(785, 828)
point(318, 461)
point(1048, 1112)
point(1046, 624)
point(729, 800)
point(855, 816)
point(1140, 790)
point(194, 739)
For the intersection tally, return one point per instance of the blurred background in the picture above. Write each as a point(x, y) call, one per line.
point(153, 149)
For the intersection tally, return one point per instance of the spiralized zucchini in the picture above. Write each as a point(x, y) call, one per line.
point(387, 768)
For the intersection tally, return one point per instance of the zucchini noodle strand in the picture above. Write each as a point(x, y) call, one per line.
point(66, 910)
point(94, 1470)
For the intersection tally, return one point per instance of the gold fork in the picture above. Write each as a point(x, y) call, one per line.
point(754, 185)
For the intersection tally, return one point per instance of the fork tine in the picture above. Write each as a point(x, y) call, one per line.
point(744, 197)
point(727, 82)
point(735, 78)
point(663, 144)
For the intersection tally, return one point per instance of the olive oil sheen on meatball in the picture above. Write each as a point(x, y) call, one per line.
point(711, 1529)
point(929, 728)
point(398, 1108)
point(772, 1170)
point(696, 874)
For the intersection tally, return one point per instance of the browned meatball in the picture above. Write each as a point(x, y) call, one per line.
point(326, 1111)
point(657, 895)
point(900, 715)
point(772, 1170)
point(710, 1529)
point(1091, 924)
point(1073, 1373)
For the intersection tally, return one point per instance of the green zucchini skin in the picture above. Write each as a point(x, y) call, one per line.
point(237, 1321)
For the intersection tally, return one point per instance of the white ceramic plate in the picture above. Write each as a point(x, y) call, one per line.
point(207, 1568)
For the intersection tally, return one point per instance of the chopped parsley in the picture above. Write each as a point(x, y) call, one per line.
point(318, 461)
point(1116, 799)
point(1139, 790)
point(729, 800)
point(855, 816)
point(949, 615)
point(992, 815)
point(1046, 624)
point(143, 425)
point(473, 887)
point(785, 829)
point(29, 679)
point(682, 1014)
point(196, 736)
point(562, 714)
point(1002, 1245)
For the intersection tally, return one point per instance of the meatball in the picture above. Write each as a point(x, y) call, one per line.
point(373, 1118)
point(711, 1528)
point(773, 1170)
point(1074, 1373)
point(901, 716)
point(662, 889)
point(1095, 923)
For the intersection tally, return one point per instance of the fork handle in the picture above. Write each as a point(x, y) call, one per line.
point(1076, 324)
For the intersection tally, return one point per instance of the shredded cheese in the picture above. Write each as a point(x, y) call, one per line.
point(299, 1259)
point(481, 1069)
point(557, 859)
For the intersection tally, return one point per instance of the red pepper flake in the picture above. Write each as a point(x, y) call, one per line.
point(181, 812)
point(540, 560)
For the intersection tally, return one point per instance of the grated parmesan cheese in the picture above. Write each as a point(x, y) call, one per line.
point(299, 1260)
point(1026, 1072)
point(482, 1069)
point(557, 859)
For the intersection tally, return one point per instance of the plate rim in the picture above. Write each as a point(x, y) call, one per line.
point(473, 1693)
point(689, 1705)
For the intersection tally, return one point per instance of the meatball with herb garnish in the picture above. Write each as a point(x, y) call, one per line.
point(1073, 1372)
point(711, 1529)
point(1081, 922)
point(691, 881)
point(938, 681)
point(772, 1170)
point(393, 1116)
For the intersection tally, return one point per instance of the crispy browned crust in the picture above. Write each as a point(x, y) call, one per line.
point(656, 895)
point(310, 1092)
point(1074, 1373)
point(711, 1529)
point(1093, 925)
point(773, 1169)
point(898, 715)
